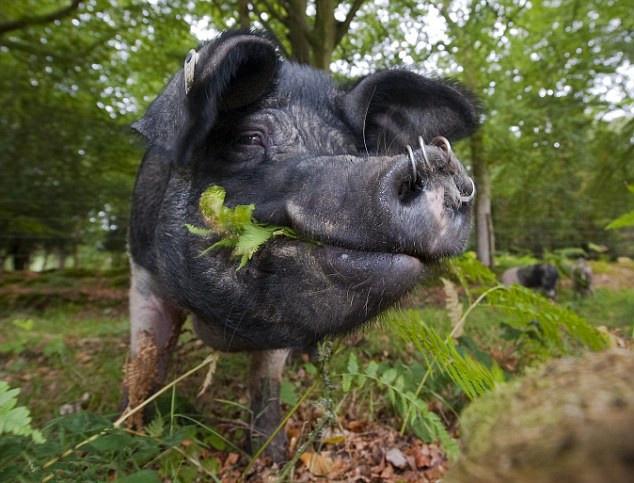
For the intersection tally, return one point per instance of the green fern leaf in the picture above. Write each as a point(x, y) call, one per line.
point(346, 382)
point(523, 306)
point(212, 201)
point(237, 228)
point(15, 420)
point(353, 364)
point(156, 427)
point(388, 376)
point(622, 221)
point(195, 230)
point(372, 369)
point(472, 377)
point(251, 238)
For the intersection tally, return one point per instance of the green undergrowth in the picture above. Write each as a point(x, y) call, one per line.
point(414, 370)
point(610, 308)
point(56, 356)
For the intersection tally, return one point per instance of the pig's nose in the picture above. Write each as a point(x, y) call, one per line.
point(435, 159)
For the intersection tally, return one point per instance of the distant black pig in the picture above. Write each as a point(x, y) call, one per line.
point(363, 171)
point(539, 276)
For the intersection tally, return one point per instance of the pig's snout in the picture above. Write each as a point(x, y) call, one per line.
point(431, 164)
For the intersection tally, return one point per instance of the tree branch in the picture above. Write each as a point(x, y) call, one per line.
point(443, 8)
point(39, 20)
point(267, 26)
point(342, 27)
point(271, 11)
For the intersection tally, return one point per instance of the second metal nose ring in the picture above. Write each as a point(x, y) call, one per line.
point(443, 143)
point(466, 199)
point(413, 161)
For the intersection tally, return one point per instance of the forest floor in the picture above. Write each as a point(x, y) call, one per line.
point(64, 342)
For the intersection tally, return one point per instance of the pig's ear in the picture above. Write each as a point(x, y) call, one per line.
point(391, 109)
point(231, 72)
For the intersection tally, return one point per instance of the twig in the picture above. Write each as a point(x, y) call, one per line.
point(460, 324)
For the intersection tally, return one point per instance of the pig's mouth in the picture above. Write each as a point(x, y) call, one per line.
point(345, 274)
point(354, 268)
point(349, 265)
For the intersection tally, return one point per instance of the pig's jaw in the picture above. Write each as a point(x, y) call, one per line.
point(384, 277)
point(396, 273)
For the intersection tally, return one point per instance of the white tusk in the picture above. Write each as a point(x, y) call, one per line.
point(466, 199)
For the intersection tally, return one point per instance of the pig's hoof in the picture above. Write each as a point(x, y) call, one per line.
point(277, 450)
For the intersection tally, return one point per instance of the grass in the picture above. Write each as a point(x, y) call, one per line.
point(610, 308)
point(60, 356)
point(68, 354)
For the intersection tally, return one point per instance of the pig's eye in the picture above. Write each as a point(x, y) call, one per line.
point(251, 139)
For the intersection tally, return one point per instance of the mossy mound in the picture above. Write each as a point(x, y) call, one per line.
point(570, 421)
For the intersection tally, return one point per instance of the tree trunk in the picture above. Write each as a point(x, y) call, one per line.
point(324, 34)
point(61, 264)
point(21, 257)
point(485, 239)
point(243, 14)
point(298, 31)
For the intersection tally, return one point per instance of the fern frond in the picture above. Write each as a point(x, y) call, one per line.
point(469, 270)
point(426, 424)
point(525, 306)
point(472, 377)
point(622, 221)
point(15, 420)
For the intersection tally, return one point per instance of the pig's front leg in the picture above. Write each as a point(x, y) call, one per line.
point(267, 368)
point(155, 325)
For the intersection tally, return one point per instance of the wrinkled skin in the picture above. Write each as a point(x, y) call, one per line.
point(328, 161)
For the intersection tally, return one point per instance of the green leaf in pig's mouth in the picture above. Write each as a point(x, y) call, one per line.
point(236, 226)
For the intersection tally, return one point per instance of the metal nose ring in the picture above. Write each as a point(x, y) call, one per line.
point(410, 153)
point(421, 143)
point(466, 199)
point(443, 143)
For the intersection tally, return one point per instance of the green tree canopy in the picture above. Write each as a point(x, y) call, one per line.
point(554, 79)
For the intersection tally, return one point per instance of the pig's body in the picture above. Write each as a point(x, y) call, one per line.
point(540, 276)
point(330, 162)
point(582, 278)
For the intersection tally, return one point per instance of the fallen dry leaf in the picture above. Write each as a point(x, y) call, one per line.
point(331, 437)
point(356, 426)
point(317, 464)
point(422, 458)
point(232, 459)
point(387, 473)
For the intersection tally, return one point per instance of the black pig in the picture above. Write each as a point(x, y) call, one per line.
point(540, 276)
point(334, 163)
